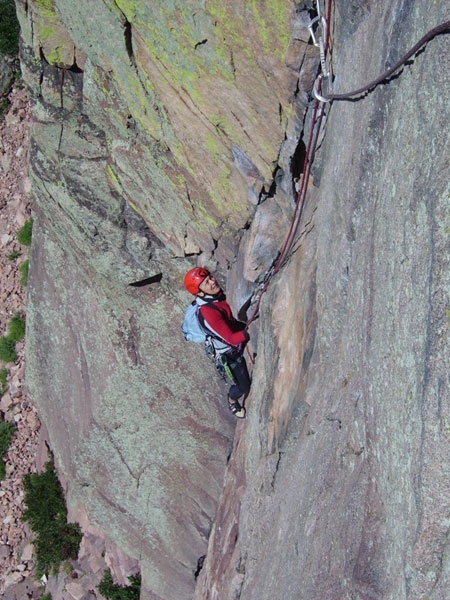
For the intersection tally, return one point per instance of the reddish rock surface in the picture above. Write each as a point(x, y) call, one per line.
point(338, 486)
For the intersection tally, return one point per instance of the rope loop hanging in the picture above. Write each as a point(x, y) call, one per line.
point(386, 75)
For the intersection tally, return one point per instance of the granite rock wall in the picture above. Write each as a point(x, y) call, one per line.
point(169, 134)
point(157, 130)
point(339, 484)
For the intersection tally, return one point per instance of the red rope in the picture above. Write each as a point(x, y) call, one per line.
point(301, 194)
point(440, 29)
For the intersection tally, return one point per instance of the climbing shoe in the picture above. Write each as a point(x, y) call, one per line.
point(237, 410)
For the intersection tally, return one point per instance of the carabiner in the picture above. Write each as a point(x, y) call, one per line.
point(311, 31)
point(315, 90)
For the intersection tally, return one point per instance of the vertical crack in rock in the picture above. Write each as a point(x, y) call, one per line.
point(129, 41)
point(128, 34)
point(61, 91)
point(133, 339)
point(241, 124)
point(88, 416)
point(277, 466)
point(190, 247)
point(117, 448)
point(298, 161)
point(233, 66)
point(200, 562)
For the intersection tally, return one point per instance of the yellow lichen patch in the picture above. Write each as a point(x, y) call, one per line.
point(50, 35)
point(114, 179)
point(272, 20)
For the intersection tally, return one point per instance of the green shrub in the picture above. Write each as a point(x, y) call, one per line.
point(24, 272)
point(3, 384)
point(46, 597)
point(6, 432)
point(9, 28)
point(25, 232)
point(112, 591)
point(7, 350)
point(13, 255)
point(4, 107)
point(56, 539)
point(16, 328)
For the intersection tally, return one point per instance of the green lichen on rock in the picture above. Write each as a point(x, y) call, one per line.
point(172, 81)
point(272, 20)
point(133, 172)
point(50, 34)
point(189, 29)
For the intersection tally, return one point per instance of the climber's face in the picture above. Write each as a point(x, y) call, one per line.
point(209, 286)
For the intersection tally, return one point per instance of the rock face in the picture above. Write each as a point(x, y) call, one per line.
point(339, 487)
point(156, 132)
point(170, 134)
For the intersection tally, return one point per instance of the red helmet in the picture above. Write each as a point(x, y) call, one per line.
point(194, 278)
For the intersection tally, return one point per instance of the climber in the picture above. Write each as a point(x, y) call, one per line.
point(228, 335)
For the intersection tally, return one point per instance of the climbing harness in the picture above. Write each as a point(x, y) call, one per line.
point(223, 368)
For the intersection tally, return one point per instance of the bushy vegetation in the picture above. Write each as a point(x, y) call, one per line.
point(13, 255)
point(7, 350)
point(24, 234)
point(4, 107)
point(6, 432)
point(112, 591)
point(9, 28)
point(3, 384)
point(16, 328)
point(16, 332)
point(56, 539)
point(24, 267)
point(46, 597)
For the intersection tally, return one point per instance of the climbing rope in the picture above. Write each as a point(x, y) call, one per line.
point(322, 42)
point(321, 23)
point(438, 30)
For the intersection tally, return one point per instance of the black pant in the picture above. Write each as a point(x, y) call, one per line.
point(241, 385)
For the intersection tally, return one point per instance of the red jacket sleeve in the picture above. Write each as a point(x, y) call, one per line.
point(224, 326)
